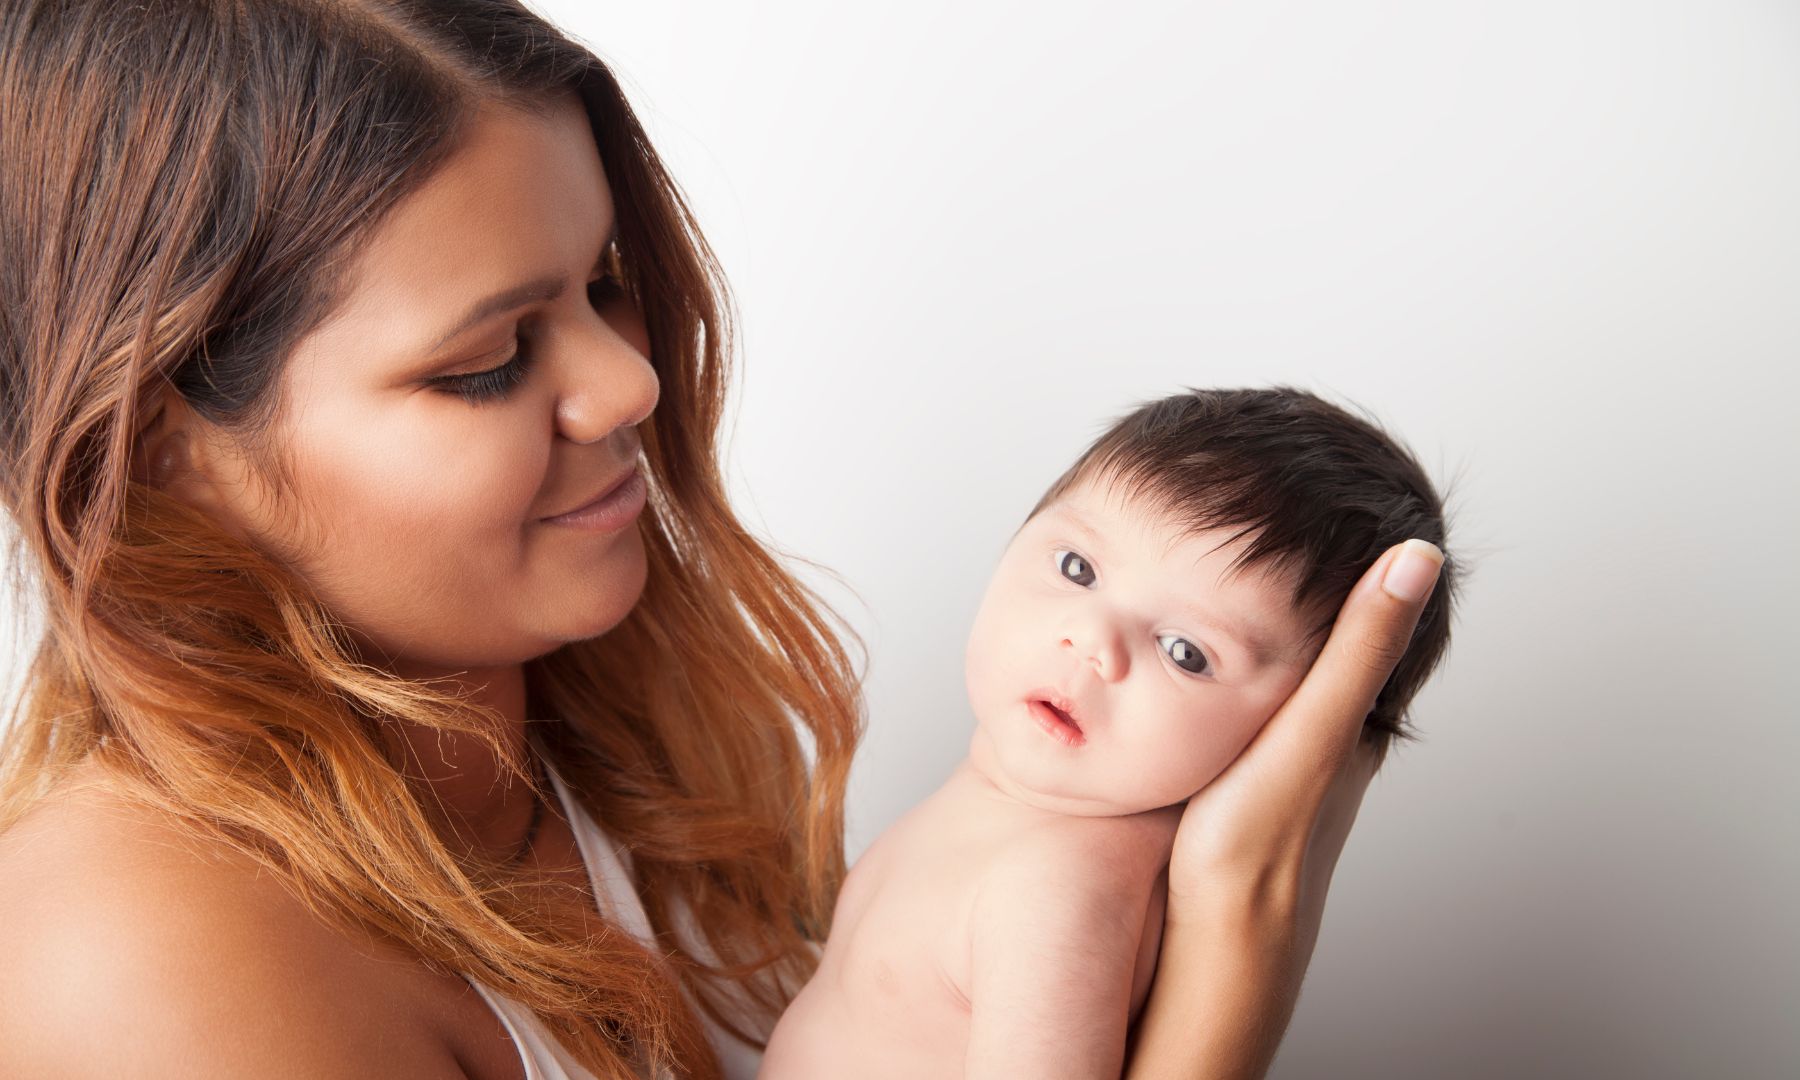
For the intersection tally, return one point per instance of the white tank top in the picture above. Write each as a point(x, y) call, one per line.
point(609, 869)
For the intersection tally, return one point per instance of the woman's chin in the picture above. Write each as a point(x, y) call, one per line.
point(579, 614)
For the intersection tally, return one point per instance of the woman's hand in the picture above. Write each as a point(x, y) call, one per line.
point(1256, 847)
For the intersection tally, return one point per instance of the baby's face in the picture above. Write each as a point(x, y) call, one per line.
point(1168, 664)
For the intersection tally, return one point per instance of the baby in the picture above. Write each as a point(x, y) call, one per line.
point(1160, 602)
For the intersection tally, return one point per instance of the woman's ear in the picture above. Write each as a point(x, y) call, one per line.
point(168, 453)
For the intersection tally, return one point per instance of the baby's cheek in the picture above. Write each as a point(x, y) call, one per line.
point(978, 674)
point(1207, 756)
point(1156, 769)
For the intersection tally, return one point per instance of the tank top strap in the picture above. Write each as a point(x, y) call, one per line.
point(613, 875)
point(608, 866)
point(610, 871)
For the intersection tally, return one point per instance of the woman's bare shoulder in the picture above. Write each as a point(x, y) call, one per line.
point(199, 963)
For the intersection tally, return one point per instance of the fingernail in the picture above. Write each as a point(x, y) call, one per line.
point(1413, 571)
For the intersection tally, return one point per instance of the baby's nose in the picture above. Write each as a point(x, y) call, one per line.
point(1101, 649)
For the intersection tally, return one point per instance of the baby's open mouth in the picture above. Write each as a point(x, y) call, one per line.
point(1057, 723)
point(1060, 715)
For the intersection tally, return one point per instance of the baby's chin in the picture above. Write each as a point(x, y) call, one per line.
point(1061, 784)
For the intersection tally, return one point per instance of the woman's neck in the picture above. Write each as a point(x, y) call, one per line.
point(488, 814)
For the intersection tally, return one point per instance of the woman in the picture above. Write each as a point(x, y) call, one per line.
point(307, 412)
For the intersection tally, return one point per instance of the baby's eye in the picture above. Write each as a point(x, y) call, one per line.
point(1186, 654)
point(1072, 566)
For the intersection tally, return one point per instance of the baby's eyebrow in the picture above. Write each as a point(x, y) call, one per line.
point(1083, 528)
point(1259, 642)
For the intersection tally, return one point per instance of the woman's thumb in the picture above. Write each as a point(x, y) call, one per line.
point(1370, 635)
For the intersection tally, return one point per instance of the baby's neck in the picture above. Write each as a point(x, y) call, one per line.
point(979, 776)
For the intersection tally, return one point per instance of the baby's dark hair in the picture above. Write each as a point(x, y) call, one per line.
point(1323, 491)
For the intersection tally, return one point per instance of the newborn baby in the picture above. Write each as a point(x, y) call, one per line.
point(1155, 609)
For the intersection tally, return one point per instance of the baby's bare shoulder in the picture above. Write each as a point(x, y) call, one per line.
point(1128, 840)
point(1106, 856)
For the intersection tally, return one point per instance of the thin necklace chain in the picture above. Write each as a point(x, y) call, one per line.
point(537, 813)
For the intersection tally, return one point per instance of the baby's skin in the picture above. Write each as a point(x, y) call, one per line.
point(1008, 925)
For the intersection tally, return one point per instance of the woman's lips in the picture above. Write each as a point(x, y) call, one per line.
point(612, 510)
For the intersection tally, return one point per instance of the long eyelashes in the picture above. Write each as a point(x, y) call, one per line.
point(492, 384)
point(496, 383)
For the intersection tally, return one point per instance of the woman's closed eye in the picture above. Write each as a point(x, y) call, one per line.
point(496, 383)
point(492, 384)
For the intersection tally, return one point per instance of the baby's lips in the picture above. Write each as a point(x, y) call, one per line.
point(1065, 714)
point(1060, 703)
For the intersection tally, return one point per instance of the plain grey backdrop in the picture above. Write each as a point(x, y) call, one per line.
point(1555, 246)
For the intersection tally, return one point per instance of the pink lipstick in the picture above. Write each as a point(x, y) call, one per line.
point(614, 509)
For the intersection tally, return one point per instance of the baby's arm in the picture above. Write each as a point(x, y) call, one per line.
point(1055, 930)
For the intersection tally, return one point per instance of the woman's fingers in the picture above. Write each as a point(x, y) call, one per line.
point(1305, 744)
point(1299, 782)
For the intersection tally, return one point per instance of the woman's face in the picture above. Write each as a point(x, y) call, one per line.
point(421, 496)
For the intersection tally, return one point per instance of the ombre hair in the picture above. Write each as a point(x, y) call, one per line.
point(182, 186)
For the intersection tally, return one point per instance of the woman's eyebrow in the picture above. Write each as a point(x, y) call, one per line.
point(541, 289)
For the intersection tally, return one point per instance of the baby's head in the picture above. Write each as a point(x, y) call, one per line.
point(1172, 587)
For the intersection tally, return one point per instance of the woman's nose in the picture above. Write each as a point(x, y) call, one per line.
point(607, 382)
point(1092, 641)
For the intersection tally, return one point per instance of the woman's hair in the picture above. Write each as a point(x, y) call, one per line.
point(183, 184)
point(1317, 492)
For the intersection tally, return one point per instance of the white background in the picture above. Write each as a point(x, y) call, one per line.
point(1555, 246)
